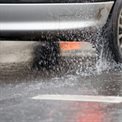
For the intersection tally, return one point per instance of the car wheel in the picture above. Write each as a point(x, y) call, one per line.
point(116, 24)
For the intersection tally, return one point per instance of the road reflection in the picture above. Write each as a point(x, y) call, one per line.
point(90, 112)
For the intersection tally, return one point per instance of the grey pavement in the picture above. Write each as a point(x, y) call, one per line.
point(19, 84)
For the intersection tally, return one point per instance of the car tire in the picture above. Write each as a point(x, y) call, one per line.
point(116, 35)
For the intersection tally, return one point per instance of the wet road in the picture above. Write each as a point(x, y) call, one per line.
point(76, 90)
point(41, 96)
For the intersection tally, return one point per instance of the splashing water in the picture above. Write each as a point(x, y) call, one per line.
point(104, 60)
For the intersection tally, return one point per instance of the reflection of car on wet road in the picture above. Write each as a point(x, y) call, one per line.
point(52, 21)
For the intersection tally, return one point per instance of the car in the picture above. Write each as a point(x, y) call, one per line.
point(52, 21)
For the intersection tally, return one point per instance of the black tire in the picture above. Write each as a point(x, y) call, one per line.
point(114, 42)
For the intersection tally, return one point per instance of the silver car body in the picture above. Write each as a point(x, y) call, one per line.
point(58, 16)
point(46, 17)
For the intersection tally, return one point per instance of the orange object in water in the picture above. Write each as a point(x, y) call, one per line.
point(69, 46)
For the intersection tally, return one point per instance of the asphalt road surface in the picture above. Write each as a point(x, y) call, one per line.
point(74, 91)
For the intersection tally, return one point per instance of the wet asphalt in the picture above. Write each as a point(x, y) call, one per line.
point(19, 84)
